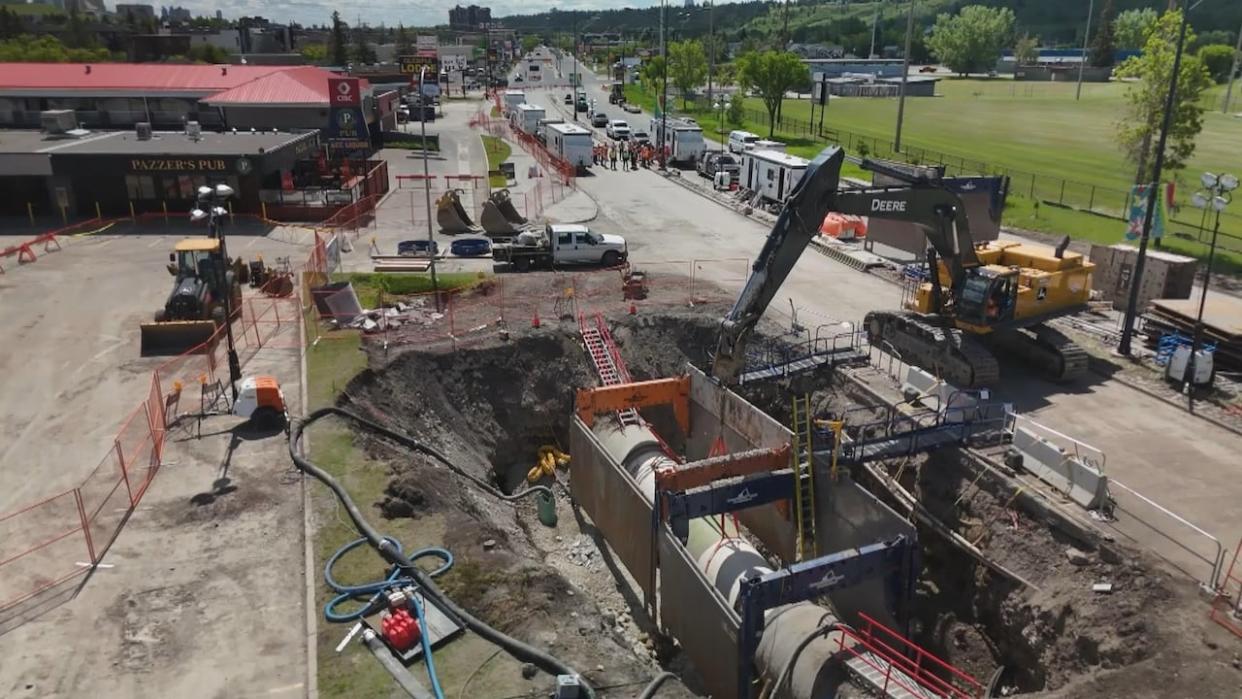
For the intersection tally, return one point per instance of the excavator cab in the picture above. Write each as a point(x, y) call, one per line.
point(988, 296)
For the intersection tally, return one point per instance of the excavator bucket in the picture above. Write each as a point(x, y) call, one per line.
point(495, 222)
point(505, 205)
point(175, 337)
point(451, 216)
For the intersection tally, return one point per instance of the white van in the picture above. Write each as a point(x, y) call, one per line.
point(571, 143)
point(741, 141)
point(765, 144)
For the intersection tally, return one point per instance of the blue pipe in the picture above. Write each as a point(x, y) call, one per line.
point(426, 641)
point(374, 589)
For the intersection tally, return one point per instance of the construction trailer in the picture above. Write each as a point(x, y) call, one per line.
point(512, 99)
point(570, 143)
point(682, 138)
point(526, 117)
point(771, 174)
point(541, 129)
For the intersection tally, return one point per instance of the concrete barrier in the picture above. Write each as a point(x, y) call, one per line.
point(1082, 483)
point(957, 404)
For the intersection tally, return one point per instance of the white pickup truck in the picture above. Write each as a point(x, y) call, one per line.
point(561, 245)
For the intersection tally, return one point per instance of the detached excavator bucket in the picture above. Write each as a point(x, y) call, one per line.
point(175, 337)
point(505, 205)
point(451, 216)
point(494, 221)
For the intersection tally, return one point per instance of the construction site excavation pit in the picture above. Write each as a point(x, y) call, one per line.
point(491, 408)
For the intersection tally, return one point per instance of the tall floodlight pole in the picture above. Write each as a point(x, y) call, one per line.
point(905, 74)
point(422, 120)
point(1127, 327)
point(663, 92)
point(1086, 39)
point(1218, 195)
point(875, 25)
point(209, 207)
point(1233, 73)
point(711, 52)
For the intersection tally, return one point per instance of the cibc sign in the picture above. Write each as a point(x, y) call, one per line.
point(345, 92)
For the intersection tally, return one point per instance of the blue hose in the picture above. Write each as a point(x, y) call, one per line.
point(374, 589)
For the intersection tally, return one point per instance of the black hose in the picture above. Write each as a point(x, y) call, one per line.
point(392, 553)
point(654, 685)
point(399, 672)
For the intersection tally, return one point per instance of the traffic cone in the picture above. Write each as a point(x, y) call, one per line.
point(534, 321)
point(633, 309)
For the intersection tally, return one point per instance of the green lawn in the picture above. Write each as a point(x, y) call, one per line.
point(497, 152)
point(1034, 132)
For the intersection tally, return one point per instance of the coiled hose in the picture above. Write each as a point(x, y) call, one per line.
point(391, 552)
point(394, 579)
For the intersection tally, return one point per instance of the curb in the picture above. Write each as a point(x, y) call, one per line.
point(311, 618)
point(1094, 364)
point(594, 215)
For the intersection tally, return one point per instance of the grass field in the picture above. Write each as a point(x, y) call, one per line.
point(497, 152)
point(1024, 130)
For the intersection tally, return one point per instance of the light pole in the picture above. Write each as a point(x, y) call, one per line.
point(1217, 194)
point(209, 207)
point(711, 49)
point(1233, 73)
point(663, 91)
point(1082, 64)
point(905, 74)
point(1127, 327)
point(720, 104)
point(431, 250)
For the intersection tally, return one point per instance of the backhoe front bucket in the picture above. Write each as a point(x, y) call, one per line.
point(494, 221)
point(504, 204)
point(451, 216)
point(175, 337)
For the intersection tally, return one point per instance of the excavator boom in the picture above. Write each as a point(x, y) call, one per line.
point(938, 211)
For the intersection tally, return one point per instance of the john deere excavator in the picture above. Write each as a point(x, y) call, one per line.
point(195, 306)
point(982, 298)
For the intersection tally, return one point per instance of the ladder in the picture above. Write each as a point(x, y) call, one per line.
point(804, 477)
point(597, 340)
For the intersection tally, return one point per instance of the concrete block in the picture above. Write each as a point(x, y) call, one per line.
point(1082, 483)
point(936, 394)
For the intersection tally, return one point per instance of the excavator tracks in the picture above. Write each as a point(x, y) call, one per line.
point(1051, 352)
point(953, 356)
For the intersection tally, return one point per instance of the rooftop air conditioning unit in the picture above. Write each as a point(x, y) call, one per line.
point(143, 130)
point(58, 121)
point(194, 130)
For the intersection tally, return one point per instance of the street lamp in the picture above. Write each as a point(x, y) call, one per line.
point(431, 246)
point(1216, 195)
point(209, 208)
point(720, 104)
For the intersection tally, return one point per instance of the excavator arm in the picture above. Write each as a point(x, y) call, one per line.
point(937, 211)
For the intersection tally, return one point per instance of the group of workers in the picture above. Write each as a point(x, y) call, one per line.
point(631, 155)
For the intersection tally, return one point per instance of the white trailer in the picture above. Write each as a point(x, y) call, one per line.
point(512, 99)
point(683, 140)
point(765, 144)
point(771, 174)
point(571, 143)
point(527, 116)
point(541, 129)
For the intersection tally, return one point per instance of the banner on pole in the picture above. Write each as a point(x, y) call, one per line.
point(1137, 212)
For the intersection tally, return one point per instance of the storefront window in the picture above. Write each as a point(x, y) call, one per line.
point(140, 186)
point(186, 183)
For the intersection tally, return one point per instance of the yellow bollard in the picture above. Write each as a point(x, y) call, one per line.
point(64, 215)
point(98, 213)
point(263, 209)
point(132, 216)
point(30, 213)
point(231, 213)
point(165, 205)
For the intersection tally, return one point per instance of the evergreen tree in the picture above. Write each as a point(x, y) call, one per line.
point(1102, 48)
point(340, 52)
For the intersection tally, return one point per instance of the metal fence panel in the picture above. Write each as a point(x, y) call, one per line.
point(692, 611)
point(614, 503)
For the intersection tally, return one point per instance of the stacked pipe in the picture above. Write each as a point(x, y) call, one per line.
point(726, 559)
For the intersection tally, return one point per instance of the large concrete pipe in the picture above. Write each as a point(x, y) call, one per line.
point(726, 560)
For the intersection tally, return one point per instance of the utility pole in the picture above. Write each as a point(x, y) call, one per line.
point(1233, 73)
point(711, 52)
point(664, 92)
point(1086, 39)
point(905, 74)
point(422, 119)
point(875, 24)
point(1127, 329)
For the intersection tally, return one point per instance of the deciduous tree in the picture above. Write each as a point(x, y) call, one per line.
point(771, 74)
point(1138, 131)
point(971, 41)
point(1131, 27)
point(687, 66)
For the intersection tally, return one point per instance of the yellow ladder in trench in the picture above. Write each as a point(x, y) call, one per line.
point(804, 477)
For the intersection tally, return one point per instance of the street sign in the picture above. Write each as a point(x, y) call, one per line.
point(347, 128)
point(411, 65)
point(344, 92)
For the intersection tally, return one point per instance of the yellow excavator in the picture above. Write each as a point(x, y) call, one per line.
point(983, 299)
point(195, 307)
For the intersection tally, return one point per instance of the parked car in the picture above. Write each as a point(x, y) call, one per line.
point(569, 99)
point(418, 248)
point(581, 105)
point(715, 161)
point(470, 247)
point(618, 130)
point(599, 119)
point(640, 137)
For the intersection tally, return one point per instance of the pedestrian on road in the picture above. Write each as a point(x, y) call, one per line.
point(612, 156)
point(625, 156)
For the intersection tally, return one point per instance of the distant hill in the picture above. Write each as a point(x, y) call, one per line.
point(833, 21)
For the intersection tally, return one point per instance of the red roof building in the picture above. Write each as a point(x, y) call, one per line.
point(111, 95)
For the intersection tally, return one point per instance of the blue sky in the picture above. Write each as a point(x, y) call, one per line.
point(376, 12)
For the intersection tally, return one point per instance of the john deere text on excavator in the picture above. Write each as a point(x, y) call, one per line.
point(983, 298)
